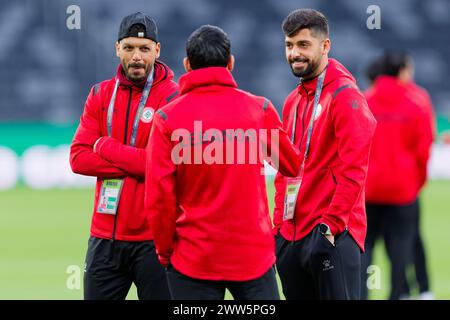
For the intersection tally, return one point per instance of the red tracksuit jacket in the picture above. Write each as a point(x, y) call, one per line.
point(114, 157)
point(402, 141)
point(211, 220)
point(421, 97)
point(332, 189)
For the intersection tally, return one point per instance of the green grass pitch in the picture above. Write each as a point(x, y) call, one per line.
point(44, 237)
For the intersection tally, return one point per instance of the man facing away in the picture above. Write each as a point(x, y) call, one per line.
point(110, 144)
point(206, 191)
point(321, 227)
point(398, 171)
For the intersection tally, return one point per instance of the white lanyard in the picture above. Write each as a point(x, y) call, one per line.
point(317, 94)
point(143, 100)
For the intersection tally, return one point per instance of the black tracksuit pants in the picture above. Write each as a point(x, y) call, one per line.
point(419, 259)
point(183, 287)
point(396, 225)
point(313, 268)
point(112, 268)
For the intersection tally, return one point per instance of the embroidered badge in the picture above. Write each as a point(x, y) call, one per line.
point(147, 114)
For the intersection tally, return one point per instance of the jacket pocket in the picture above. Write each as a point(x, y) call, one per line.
point(322, 238)
point(327, 242)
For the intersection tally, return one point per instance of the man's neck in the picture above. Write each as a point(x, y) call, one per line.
point(405, 76)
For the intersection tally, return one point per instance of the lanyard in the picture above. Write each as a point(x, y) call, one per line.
point(317, 94)
point(142, 101)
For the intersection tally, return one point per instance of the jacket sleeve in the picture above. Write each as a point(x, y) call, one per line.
point(280, 186)
point(284, 156)
point(354, 126)
point(160, 196)
point(421, 143)
point(171, 93)
point(429, 110)
point(128, 158)
point(83, 160)
point(280, 190)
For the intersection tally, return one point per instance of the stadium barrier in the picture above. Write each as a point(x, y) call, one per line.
point(37, 156)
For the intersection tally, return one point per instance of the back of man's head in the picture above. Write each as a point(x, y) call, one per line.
point(208, 46)
point(375, 69)
point(394, 62)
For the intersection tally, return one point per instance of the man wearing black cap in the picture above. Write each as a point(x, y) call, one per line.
point(110, 144)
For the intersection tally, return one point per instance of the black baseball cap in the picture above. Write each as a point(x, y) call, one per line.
point(150, 28)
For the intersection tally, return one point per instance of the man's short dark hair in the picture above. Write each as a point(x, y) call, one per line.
point(375, 69)
point(310, 19)
point(208, 46)
point(394, 62)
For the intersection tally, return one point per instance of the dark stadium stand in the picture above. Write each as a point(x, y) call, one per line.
point(47, 70)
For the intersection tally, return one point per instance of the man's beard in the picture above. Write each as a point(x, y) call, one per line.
point(133, 78)
point(308, 71)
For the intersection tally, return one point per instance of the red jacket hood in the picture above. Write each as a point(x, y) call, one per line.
point(389, 89)
point(206, 77)
point(335, 70)
point(162, 72)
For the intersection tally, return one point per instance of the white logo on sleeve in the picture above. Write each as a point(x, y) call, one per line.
point(147, 114)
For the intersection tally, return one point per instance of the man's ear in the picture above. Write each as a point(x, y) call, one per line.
point(158, 49)
point(406, 74)
point(230, 64)
point(326, 46)
point(187, 65)
point(117, 49)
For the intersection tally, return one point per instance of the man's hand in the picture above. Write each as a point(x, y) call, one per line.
point(325, 230)
point(164, 261)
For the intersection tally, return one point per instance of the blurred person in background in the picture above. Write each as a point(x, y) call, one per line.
point(397, 171)
point(110, 144)
point(421, 280)
point(211, 217)
point(374, 70)
point(320, 229)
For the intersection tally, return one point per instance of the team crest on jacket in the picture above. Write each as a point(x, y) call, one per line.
point(147, 114)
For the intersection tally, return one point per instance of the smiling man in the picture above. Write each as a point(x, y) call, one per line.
point(110, 144)
point(320, 220)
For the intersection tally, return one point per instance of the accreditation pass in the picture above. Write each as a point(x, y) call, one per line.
point(292, 189)
point(109, 196)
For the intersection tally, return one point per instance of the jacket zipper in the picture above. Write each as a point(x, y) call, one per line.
point(300, 146)
point(124, 142)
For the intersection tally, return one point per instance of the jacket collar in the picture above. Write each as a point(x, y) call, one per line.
point(334, 70)
point(203, 77)
point(390, 88)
